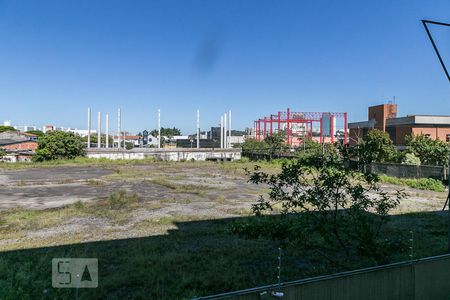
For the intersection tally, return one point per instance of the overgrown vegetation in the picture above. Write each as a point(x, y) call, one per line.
point(416, 183)
point(376, 146)
point(429, 151)
point(332, 207)
point(59, 145)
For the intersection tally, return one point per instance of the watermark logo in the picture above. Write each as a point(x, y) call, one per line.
point(74, 272)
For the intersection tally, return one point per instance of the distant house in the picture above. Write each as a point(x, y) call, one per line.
point(17, 141)
point(18, 146)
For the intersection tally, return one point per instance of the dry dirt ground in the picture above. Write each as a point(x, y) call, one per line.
point(58, 205)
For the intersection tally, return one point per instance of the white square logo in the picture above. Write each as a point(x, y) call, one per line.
point(74, 272)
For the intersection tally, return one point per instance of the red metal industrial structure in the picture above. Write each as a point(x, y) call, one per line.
point(286, 120)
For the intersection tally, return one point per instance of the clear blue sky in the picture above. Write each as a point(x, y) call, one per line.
point(253, 57)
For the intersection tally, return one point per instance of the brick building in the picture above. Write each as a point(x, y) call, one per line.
point(384, 117)
point(17, 141)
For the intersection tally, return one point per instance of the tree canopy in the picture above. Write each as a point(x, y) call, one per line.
point(7, 128)
point(169, 132)
point(59, 145)
point(376, 146)
point(429, 151)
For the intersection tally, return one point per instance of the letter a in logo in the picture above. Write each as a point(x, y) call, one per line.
point(86, 275)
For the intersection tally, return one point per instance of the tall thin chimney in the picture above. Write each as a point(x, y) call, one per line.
point(107, 130)
point(118, 127)
point(221, 131)
point(99, 130)
point(159, 128)
point(198, 129)
point(225, 140)
point(89, 128)
point(229, 129)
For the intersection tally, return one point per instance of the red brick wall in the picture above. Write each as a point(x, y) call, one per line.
point(435, 133)
point(401, 132)
point(382, 112)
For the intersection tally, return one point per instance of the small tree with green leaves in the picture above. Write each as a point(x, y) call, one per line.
point(59, 145)
point(275, 144)
point(376, 146)
point(336, 207)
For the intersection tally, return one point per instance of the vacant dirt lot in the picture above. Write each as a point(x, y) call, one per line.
point(58, 205)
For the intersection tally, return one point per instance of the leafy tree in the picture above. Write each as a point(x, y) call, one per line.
point(335, 207)
point(429, 151)
point(7, 128)
point(376, 146)
point(254, 145)
point(313, 153)
point(129, 145)
point(275, 144)
point(59, 145)
point(38, 133)
point(169, 132)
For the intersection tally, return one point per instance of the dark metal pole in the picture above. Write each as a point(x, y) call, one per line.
point(424, 22)
point(448, 198)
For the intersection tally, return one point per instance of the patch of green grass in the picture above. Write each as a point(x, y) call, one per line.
point(121, 199)
point(420, 183)
point(79, 161)
point(195, 258)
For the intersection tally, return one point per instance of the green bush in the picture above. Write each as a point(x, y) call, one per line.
point(59, 145)
point(121, 199)
point(429, 184)
point(429, 151)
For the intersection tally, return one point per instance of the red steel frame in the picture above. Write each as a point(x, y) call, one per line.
point(307, 118)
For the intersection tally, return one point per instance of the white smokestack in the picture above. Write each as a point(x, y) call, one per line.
point(229, 129)
point(198, 129)
point(225, 140)
point(221, 131)
point(107, 130)
point(89, 128)
point(159, 128)
point(99, 130)
point(118, 127)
